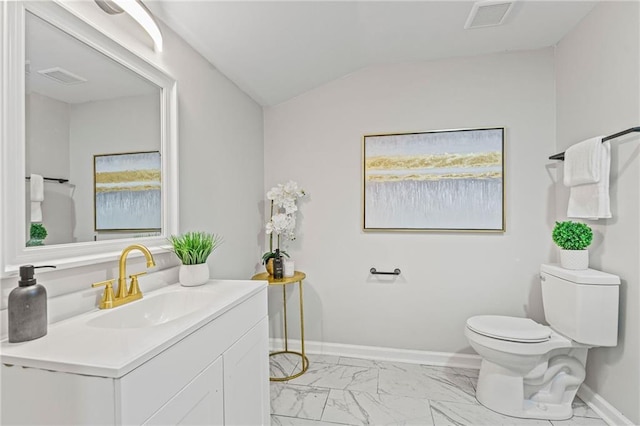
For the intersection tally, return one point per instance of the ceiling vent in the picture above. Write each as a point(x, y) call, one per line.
point(488, 13)
point(62, 76)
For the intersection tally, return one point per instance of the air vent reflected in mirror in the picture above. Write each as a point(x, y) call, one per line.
point(62, 76)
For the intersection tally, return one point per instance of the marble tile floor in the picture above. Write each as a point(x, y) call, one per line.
point(351, 391)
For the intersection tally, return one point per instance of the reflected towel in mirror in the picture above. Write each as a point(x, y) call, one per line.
point(37, 197)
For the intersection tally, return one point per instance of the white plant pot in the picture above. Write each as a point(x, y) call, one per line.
point(574, 259)
point(193, 275)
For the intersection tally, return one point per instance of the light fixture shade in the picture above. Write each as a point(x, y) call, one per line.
point(142, 16)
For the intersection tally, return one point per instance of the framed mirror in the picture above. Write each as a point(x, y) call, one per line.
point(89, 143)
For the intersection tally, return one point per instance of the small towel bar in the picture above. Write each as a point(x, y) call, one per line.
point(374, 272)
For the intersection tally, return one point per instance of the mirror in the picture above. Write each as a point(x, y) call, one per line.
point(90, 142)
point(93, 136)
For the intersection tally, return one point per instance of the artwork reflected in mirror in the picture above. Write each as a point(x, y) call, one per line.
point(127, 192)
point(79, 104)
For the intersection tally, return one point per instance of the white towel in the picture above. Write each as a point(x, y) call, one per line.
point(582, 162)
point(591, 200)
point(37, 187)
point(36, 212)
point(37, 197)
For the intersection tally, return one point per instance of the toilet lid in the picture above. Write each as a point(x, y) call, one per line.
point(509, 328)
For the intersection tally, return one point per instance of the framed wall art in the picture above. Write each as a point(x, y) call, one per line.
point(127, 191)
point(447, 180)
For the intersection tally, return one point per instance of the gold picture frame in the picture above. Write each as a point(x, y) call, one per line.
point(441, 180)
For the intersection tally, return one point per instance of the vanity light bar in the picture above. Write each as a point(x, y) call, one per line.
point(139, 13)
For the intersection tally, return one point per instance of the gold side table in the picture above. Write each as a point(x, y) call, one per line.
point(296, 278)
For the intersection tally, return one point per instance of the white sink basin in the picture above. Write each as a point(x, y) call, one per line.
point(154, 310)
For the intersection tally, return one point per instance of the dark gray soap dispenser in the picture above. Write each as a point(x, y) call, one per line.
point(27, 307)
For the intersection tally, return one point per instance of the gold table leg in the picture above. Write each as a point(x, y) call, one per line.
point(284, 304)
point(304, 359)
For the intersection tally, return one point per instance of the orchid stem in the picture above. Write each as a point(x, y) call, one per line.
point(271, 234)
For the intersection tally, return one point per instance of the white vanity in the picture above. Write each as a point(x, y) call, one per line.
point(178, 356)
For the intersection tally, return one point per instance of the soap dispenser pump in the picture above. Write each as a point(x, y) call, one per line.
point(27, 307)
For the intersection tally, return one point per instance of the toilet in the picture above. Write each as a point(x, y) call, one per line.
point(530, 370)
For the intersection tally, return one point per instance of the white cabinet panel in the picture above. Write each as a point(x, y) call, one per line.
point(31, 396)
point(199, 403)
point(246, 379)
point(154, 383)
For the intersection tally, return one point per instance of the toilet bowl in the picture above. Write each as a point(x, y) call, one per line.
point(530, 370)
point(516, 358)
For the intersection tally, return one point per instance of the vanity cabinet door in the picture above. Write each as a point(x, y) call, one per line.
point(246, 378)
point(31, 396)
point(198, 403)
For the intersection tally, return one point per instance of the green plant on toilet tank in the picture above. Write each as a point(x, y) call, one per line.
point(193, 250)
point(573, 238)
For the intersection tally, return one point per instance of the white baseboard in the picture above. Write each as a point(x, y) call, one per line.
point(608, 412)
point(441, 359)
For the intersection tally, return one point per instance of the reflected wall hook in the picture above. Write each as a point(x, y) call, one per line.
point(375, 272)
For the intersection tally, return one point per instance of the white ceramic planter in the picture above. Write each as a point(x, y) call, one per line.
point(574, 259)
point(193, 275)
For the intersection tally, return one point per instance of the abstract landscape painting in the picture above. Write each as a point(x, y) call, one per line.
point(441, 180)
point(127, 192)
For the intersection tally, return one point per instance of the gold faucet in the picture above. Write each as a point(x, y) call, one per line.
point(122, 296)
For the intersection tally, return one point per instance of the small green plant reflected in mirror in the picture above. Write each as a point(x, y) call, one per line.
point(37, 234)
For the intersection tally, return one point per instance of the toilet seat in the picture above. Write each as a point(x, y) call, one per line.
point(511, 329)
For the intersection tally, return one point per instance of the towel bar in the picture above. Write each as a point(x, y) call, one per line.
point(607, 138)
point(59, 180)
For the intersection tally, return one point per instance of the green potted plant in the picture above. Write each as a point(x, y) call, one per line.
point(268, 258)
point(37, 233)
point(193, 249)
point(573, 238)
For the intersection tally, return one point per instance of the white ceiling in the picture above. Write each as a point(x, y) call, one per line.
point(275, 50)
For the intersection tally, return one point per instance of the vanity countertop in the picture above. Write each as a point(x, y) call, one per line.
point(77, 346)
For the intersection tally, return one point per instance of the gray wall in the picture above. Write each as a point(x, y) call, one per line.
point(598, 93)
point(315, 139)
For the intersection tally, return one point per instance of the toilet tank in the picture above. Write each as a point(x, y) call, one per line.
point(581, 305)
